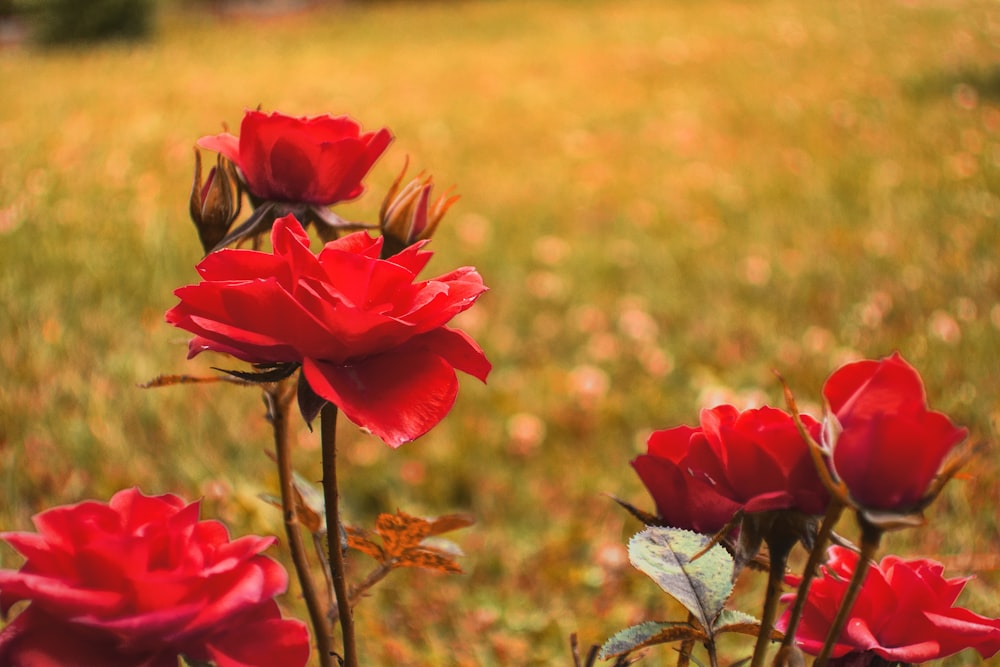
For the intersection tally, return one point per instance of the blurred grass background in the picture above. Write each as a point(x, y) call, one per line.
point(668, 200)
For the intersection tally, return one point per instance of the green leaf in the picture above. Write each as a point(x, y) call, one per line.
point(703, 585)
point(648, 634)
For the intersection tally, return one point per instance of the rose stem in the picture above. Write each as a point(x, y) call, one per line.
point(331, 495)
point(375, 576)
point(687, 647)
point(870, 538)
point(280, 401)
point(713, 656)
point(833, 512)
point(780, 540)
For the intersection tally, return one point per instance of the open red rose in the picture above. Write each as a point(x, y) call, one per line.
point(904, 613)
point(889, 446)
point(316, 160)
point(369, 339)
point(754, 461)
point(138, 582)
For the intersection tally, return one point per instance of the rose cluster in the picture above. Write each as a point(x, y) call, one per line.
point(879, 438)
point(878, 449)
point(368, 336)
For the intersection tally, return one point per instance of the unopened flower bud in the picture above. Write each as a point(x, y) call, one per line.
point(214, 203)
point(407, 215)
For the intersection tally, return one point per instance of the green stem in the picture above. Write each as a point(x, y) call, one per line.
point(871, 536)
point(833, 514)
point(280, 401)
point(331, 495)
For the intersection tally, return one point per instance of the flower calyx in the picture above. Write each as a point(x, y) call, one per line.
point(407, 214)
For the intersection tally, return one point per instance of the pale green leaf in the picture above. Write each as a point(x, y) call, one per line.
point(702, 586)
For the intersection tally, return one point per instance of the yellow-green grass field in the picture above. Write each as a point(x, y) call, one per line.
point(668, 199)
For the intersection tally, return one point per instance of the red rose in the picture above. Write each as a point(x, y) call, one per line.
point(369, 338)
point(682, 499)
point(319, 160)
point(890, 446)
point(904, 613)
point(758, 459)
point(754, 461)
point(139, 581)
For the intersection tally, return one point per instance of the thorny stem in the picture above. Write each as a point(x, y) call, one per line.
point(833, 512)
point(331, 495)
point(280, 400)
point(319, 546)
point(871, 535)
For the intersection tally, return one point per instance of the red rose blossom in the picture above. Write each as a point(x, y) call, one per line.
point(890, 446)
point(758, 459)
point(904, 613)
point(369, 339)
point(139, 581)
point(755, 461)
point(316, 160)
point(682, 499)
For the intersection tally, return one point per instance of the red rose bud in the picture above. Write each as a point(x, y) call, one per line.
point(407, 215)
point(369, 337)
point(886, 445)
point(904, 613)
point(214, 203)
point(319, 160)
point(140, 581)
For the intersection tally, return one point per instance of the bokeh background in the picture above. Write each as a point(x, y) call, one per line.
point(668, 199)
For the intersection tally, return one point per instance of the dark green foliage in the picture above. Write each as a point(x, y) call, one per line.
point(58, 22)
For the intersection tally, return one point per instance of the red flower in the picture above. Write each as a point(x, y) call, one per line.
point(319, 160)
point(890, 446)
point(139, 581)
point(903, 613)
point(369, 338)
point(758, 459)
point(682, 499)
point(755, 461)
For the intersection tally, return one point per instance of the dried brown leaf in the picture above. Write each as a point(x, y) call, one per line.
point(449, 522)
point(360, 540)
point(400, 532)
point(429, 560)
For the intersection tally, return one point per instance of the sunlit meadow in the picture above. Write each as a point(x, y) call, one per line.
point(669, 200)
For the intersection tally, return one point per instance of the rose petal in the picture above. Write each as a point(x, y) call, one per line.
point(398, 395)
